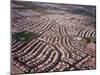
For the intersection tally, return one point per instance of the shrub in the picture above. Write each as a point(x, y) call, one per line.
point(25, 35)
point(89, 39)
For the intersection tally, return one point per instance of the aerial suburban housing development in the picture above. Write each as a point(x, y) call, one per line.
point(52, 37)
